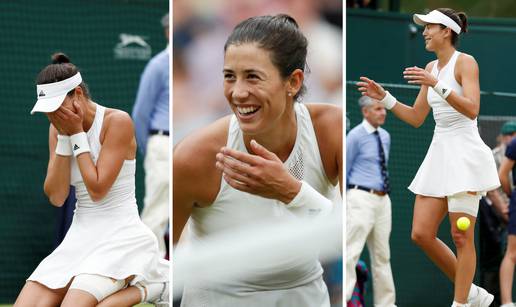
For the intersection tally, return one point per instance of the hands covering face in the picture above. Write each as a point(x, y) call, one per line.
point(67, 121)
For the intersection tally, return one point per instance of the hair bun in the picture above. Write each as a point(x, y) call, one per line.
point(60, 58)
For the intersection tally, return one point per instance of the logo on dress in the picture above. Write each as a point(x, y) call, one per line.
point(132, 47)
point(75, 147)
point(41, 94)
point(445, 90)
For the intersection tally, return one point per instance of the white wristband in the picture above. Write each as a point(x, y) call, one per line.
point(442, 89)
point(309, 203)
point(79, 142)
point(388, 101)
point(63, 146)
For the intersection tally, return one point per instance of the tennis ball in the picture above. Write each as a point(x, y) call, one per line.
point(463, 223)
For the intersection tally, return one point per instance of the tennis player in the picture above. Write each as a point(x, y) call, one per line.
point(458, 168)
point(107, 247)
point(272, 160)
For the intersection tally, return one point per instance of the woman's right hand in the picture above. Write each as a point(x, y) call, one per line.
point(370, 88)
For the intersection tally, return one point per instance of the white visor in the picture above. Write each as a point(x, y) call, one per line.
point(51, 95)
point(436, 17)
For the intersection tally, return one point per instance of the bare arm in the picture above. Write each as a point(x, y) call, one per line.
point(118, 139)
point(183, 199)
point(505, 167)
point(413, 115)
point(57, 181)
point(469, 103)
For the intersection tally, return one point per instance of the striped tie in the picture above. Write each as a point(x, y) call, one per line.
point(383, 166)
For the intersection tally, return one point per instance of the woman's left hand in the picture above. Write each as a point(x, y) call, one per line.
point(416, 75)
point(262, 174)
point(70, 121)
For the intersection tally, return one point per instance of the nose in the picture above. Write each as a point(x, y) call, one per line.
point(425, 30)
point(240, 91)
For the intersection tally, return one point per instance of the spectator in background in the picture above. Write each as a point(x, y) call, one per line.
point(493, 216)
point(507, 165)
point(151, 121)
point(368, 203)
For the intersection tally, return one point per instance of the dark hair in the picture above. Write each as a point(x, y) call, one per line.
point(460, 18)
point(280, 35)
point(59, 70)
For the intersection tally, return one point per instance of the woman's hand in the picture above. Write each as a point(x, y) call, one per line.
point(262, 174)
point(70, 122)
point(56, 122)
point(370, 88)
point(416, 75)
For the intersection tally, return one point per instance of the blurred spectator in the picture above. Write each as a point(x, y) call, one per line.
point(151, 122)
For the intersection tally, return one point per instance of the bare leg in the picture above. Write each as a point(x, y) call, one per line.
point(507, 271)
point(466, 256)
point(78, 298)
point(429, 212)
point(124, 298)
point(35, 294)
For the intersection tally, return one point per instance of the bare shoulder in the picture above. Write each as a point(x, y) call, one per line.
point(327, 123)
point(325, 117)
point(194, 159)
point(117, 117)
point(465, 61)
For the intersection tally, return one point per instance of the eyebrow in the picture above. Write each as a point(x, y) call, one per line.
point(227, 70)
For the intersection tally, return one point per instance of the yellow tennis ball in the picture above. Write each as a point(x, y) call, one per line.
point(463, 223)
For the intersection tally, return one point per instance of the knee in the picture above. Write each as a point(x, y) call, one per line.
point(459, 238)
point(421, 237)
point(511, 255)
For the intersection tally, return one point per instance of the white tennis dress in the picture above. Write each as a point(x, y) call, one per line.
point(106, 237)
point(293, 281)
point(457, 159)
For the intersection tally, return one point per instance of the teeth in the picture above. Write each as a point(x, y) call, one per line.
point(246, 110)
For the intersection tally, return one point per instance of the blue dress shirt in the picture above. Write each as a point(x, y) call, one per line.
point(362, 156)
point(151, 109)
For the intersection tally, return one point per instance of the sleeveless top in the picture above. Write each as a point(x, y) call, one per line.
point(107, 237)
point(233, 209)
point(123, 190)
point(457, 159)
point(446, 117)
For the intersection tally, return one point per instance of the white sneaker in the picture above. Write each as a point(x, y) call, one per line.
point(159, 294)
point(482, 299)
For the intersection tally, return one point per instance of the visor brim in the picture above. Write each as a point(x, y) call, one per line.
point(48, 105)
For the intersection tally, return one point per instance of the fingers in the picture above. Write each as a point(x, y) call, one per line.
point(241, 156)
point(237, 184)
point(263, 152)
point(78, 108)
point(367, 80)
point(235, 165)
point(232, 175)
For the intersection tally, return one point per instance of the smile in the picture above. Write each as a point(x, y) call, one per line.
point(247, 110)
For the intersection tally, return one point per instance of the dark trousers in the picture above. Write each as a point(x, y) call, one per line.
point(492, 237)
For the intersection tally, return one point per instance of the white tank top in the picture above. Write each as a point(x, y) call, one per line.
point(233, 209)
point(122, 192)
point(445, 116)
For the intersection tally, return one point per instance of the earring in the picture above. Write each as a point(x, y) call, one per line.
point(289, 94)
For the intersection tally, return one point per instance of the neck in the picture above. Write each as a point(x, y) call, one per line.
point(89, 115)
point(444, 54)
point(279, 138)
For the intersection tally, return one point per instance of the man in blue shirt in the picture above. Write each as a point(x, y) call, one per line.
point(151, 121)
point(368, 202)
